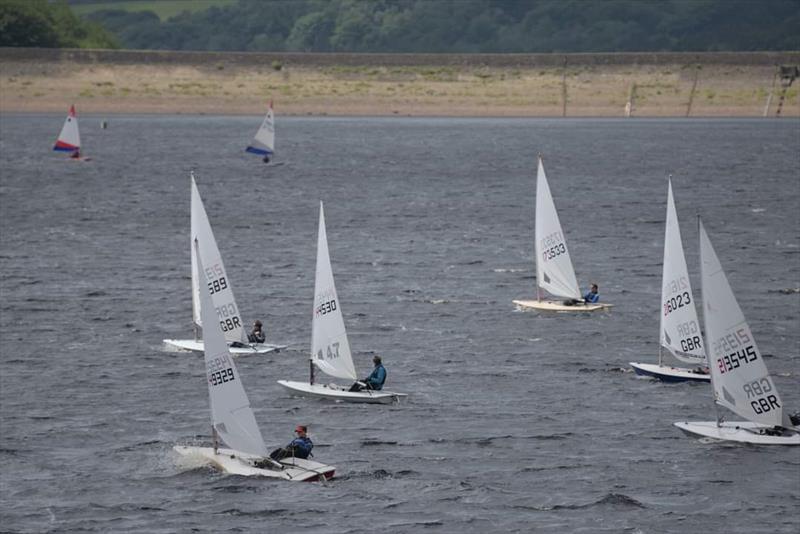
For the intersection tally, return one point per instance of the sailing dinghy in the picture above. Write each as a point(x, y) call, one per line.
point(680, 328)
point(229, 319)
point(330, 349)
point(554, 270)
point(263, 143)
point(232, 419)
point(739, 376)
point(69, 140)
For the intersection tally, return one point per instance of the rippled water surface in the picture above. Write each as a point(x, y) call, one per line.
point(516, 422)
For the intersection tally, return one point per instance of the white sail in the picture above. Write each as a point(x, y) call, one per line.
point(69, 140)
point(263, 143)
point(738, 372)
point(227, 313)
point(231, 414)
point(680, 328)
point(554, 271)
point(330, 350)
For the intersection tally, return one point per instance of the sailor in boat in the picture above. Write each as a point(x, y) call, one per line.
point(591, 297)
point(375, 379)
point(76, 154)
point(266, 159)
point(299, 447)
point(257, 335)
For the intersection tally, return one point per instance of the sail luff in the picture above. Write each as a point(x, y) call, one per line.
point(223, 298)
point(231, 415)
point(69, 139)
point(330, 348)
point(554, 271)
point(263, 142)
point(739, 376)
point(679, 326)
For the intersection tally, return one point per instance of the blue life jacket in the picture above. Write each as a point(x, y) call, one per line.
point(377, 377)
point(591, 298)
point(301, 447)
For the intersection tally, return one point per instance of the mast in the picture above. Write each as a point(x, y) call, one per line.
point(535, 247)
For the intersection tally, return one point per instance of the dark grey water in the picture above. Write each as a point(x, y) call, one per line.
point(516, 422)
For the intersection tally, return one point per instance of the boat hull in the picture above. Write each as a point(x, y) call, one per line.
point(737, 431)
point(241, 463)
point(559, 306)
point(194, 345)
point(667, 373)
point(335, 392)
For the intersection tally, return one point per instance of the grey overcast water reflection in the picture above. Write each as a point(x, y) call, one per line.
point(516, 422)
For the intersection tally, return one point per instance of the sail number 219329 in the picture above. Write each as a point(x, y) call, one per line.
point(219, 370)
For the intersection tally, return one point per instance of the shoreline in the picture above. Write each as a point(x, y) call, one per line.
point(425, 85)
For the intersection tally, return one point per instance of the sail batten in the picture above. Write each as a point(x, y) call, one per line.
point(739, 375)
point(330, 348)
point(554, 271)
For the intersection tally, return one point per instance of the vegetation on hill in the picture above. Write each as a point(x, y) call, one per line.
point(39, 23)
point(413, 26)
point(165, 9)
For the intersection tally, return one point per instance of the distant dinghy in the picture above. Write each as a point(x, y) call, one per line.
point(330, 349)
point(229, 319)
point(680, 328)
point(739, 376)
point(554, 271)
point(263, 144)
point(69, 139)
point(232, 419)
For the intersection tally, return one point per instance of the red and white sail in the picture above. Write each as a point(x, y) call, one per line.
point(69, 140)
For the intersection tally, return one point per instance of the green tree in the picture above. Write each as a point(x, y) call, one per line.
point(26, 24)
point(39, 23)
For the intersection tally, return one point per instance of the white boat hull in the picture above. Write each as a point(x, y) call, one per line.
point(336, 392)
point(240, 463)
point(667, 373)
point(737, 431)
point(194, 345)
point(559, 306)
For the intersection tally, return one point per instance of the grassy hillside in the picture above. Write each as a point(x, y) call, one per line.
point(163, 8)
point(521, 85)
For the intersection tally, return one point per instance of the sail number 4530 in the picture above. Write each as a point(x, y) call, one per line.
point(326, 308)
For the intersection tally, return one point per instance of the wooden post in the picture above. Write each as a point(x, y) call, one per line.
point(771, 91)
point(631, 98)
point(564, 89)
point(694, 87)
